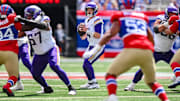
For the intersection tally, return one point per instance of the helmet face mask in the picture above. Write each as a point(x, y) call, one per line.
point(171, 10)
point(32, 11)
point(93, 6)
point(5, 10)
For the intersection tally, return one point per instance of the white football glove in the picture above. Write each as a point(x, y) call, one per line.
point(16, 19)
point(92, 52)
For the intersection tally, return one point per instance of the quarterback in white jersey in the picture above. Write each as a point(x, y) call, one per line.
point(163, 44)
point(45, 49)
point(93, 27)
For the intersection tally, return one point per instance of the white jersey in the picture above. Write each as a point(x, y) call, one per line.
point(41, 40)
point(22, 40)
point(163, 42)
point(90, 24)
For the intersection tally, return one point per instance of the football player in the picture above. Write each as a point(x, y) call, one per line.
point(175, 62)
point(163, 45)
point(25, 58)
point(138, 51)
point(39, 33)
point(93, 31)
point(8, 45)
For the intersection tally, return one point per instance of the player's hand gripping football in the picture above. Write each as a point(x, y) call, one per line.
point(81, 29)
point(92, 52)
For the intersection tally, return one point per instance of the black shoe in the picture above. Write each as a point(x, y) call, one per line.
point(8, 91)
point(48, 90)
point(173, 85)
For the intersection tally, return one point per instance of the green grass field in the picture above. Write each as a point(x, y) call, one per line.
point(142, 93)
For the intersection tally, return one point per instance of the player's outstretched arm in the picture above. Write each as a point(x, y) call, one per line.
point(150, 35)
point(40, 25)
point(109, 34)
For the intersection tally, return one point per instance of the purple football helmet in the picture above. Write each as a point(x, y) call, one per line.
point(5, 10)
point(32, 11)
point(93, 6)
point(170, 9)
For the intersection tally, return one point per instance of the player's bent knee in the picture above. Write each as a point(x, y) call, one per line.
point(86, 63)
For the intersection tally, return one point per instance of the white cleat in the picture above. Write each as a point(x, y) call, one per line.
point(112, 97)
point(93, 85)
point(18, 86)
point(72, 92)
point(130, 87)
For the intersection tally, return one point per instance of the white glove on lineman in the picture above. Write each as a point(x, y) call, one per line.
point(92, 52)
point(16, 19)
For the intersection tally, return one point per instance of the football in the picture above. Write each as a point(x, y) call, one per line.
point(79, 29)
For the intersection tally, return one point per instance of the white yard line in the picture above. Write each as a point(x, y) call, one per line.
point(74, 97)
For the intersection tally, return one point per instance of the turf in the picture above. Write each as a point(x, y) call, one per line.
point(142, 93)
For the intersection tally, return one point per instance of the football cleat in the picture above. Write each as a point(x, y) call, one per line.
point(174, 84)
point(8, 91)
point(72, 90)
point(90, 85)
point(130, 87)
point(46, 90)
point(112, 97)
point(19, 86)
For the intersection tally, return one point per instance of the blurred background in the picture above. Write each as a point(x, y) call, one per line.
point(67, 14)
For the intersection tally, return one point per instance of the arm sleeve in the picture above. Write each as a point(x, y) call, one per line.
point(174, 27)
point(98, 28)
point(34, 24)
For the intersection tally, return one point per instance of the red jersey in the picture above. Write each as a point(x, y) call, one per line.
point(9, 34)
point(133, 29)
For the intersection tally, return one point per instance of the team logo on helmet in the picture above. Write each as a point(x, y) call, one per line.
point(32, 11)
point(5, 10)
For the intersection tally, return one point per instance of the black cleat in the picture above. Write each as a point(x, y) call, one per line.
point(8, 91)
point(173, 85)
point(48, 90)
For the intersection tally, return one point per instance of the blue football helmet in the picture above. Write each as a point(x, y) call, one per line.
point(93, 6)
point(32, 11)
point(170, 9)
point(5, 10)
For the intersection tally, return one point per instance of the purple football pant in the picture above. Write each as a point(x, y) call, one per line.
point(24, 56)
point(87, 65)
point(40, 62)
point(165, 56)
